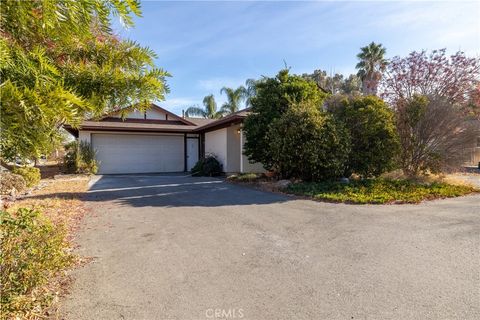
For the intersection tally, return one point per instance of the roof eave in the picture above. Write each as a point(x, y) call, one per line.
point(219, 124)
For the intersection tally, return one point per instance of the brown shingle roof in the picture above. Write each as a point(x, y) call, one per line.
point(200, 121)
point(190, 124)
point(232, 117)
point(134, 126)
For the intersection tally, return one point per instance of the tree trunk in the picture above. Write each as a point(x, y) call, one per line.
point(369, 86)
point(6, 165)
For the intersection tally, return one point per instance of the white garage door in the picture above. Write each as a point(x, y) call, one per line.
point(131, 153)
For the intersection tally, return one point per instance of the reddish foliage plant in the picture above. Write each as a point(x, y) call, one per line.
point(454, 78)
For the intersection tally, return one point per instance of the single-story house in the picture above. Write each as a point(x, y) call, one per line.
point(160, 141)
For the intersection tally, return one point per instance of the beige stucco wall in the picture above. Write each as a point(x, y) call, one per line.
point(233, 149)
point(216, 144)
point(226, 145)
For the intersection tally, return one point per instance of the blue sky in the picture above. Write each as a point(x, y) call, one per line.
point(206, 45)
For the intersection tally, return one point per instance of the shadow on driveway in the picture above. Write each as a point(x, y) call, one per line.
point(174, 247)
point(173, 190)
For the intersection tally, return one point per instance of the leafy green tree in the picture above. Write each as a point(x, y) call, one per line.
point(371, 126)
point(371, 66)
point(251, 91)
point(209, 111)
point(61, 63)
point(274, 96)
point(234, 99)
point(308, 144)
point(351, 85)
point(335, 84)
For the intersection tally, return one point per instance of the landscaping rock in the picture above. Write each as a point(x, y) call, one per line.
point(13, 192)
point(282, 184)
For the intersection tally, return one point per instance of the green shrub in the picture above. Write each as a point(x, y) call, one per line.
point(308, 144)
point(80, 158)
point(378, 191)
point(87, 164)
point(30, 174)
point(33, 251)
point(274, 96)
point(71, 156)
point(208, 166)
point(374, 139)
point(11, 183)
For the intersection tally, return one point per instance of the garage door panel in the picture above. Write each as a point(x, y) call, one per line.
point(122, 153)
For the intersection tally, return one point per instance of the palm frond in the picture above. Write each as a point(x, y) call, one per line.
point(234, 98)
point(195, 111)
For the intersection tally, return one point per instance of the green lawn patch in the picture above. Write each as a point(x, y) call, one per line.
point(378, 191)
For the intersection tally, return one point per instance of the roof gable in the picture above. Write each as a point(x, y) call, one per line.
point(152, 114)
point(111, 122)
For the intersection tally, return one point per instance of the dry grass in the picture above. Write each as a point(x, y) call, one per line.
point(459, 178)
point(59, 200)
point(466, 179)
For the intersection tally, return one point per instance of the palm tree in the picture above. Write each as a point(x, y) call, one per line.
point(209, 111)
point(234, 98)
point(372, 64)
point(251, 91)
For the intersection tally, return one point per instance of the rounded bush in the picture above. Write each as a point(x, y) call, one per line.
point(308, 144)
point(30, 174)
point(274, 96)
point(11, 183)
point(208, 166)
point(371, 125)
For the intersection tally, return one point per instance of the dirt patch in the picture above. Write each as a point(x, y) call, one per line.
point(59, 200)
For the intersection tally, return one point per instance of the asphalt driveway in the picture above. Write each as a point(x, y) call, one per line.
point(177, 247)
